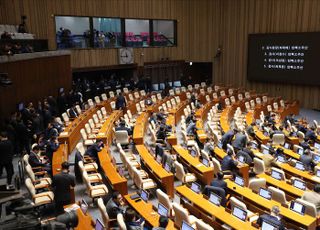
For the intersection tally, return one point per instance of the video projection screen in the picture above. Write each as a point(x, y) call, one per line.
point(292, 58)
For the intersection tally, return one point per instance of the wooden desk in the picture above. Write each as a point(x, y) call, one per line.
point(290, 190)
point(161, 176)
point(257, 203)
point(202, 172)
point(106, 133)
point(71, 134)
point(209, 211)
point(289, 152)
point(140, 127)
point(85, 221)
point(58, 158)
point(146, 211)
point(118, 182)
point(178, 111)
point(258, 134)
point(290, 139)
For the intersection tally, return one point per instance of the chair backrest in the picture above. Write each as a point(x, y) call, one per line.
point(136, 95)
point(171, 92)
point(91, 123)
point(125, 90)
point(311, 209)
point(121, 223)
point(215, 95)
point(80, 148)
point(65, 117)
point(111, 94)
point(233, 99)
point(78, 109)
point(240, 97)
point(81, 166)
point(258, 100)
point(202, 91)
point(202, 225)
point(278, 139)
point(196, 86)
point(180, 173)
point(275, 106)
point(104, 111)
point(230, 91)
point(129, 114)
point(234, 202)
point(30, 187)
point(259, 166)
point(83, 134)
point(252, 104)
point(130, 97)
point(153, 98)
point(87, 128)
point(95, 119)
point(143, 92)
point(301, 136)
point(104, 97)
point(90, 103)
point(265, 99)
point(100, 115)
point(208, 98)
point(26, 159)
point(97, 99)
point(188, 95)
point(159, 96)
point(222, 93)
point(216, 166)
point(103, 212)
point(181, 214)
point(247, 95)
point(278, 195)
point(247, 105)
point(113, 105)
point(30, 172)
point(122, 137)
point(256, 183)
point(164, 199)
point(227, 101)
point(282, 103)
point(269, 108)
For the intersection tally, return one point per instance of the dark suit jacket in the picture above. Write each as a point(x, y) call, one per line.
point(61, 184)
point(240, 141)
point(228, 164)
point(34, 160)
point(270, 219)
point(120, 102)
point(247, 157)
point(227, 138)
point(6, 151)
point(219, 183)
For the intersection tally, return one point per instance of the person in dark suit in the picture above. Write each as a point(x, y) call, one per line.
point(240, 141)
point(62, 184)
point(72, 112)
point(227, 138)
point(272, 218)
point(120, 102)
point(219, 182)
point(7, 151)
point(115, 205)
point(35, 161)
point(161, 134)
point(228, 162)
point(246, 156)
point(93, 150)
point(122, 126)
point(250, 129)
point(306, 159)
point(161, 116)
point(52, 146)
point(310, 134)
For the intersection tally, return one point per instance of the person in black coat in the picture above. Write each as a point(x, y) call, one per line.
point(219, 182)
point(122, 127)
point(35, 161)
point(121, 102)
point(7, 151)
point(273, 218)
point(228, 162)
point(93, 150)
point(62, 184)
point(227, 138)
point(52, 146)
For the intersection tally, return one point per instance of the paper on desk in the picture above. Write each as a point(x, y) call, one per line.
point(72, 207)
point(64, 134)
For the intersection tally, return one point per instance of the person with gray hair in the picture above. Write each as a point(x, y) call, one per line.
point(273, 218)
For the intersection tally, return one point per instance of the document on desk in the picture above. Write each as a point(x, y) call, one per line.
point(63, 134)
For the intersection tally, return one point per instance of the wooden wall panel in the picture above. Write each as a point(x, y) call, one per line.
point(33, 80)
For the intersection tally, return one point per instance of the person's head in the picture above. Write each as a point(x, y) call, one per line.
point(99, 142)
point(65, 166)
point(275, 210)
point(130, 215)
point(163, 221)
point(229, 152)
point(3, 135)
point(316, 188)
point(220, 175)
point(36, 148)
point(117, 197)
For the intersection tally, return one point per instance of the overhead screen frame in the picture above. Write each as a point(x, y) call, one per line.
point(286, 78)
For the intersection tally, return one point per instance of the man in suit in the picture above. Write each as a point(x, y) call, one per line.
point(227, 138)
point(115, 205)
point(7, 151)
point(240, 141)
point(35, 161)
point(313, 197)
point(163, 223)
point(93, 150)
point(273, 218)
point(122, 126)
point(310, 134)
point(306, 159)
point(229, 162)
point(219, 182)
point(248, 159)
point(72, 112)
point(52, 146)
point(62, 184)
point(121, 102)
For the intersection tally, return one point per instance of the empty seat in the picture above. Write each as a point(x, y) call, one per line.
point(182, 214)
point(278, 195)
point(256, 183)
point(38, 198)
point(182, 175)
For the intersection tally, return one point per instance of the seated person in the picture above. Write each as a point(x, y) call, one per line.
point(273, 218)
point(246, 155)
point(161, 134)
point(313, 197)
point(161, 115)
point(163, 223)
point(93, 150)
point(132, 221)
point(115, 205)
point(310, 134)
point(219, 182)
point(122, 127)
point(35, 160)
point(153, 118)
point(190, 117)
point(209, 147)
point(307, 160)
point(192, 129)
point(148, 101)
point(250, 130)
point(229, 162)
point(240, 141)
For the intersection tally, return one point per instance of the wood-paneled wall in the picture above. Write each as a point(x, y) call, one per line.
point(203, 25)
point(33, 80)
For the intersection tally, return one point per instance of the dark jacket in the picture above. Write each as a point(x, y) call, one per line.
point(62, 183)
point(228, 163)
point(6, 151)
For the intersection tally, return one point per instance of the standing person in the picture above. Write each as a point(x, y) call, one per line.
point(93, 150)
point(121, 102)
point(7, 151)
point(62, 184)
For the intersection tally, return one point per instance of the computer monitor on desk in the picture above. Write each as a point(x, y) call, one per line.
point(162, 210)
point(99, 225)
point(239, 181)
point(268, 226)
point(297, 207)
point(215, 199)
point(265, 193)
point(239, 213)
point(195, 187)
point(144, 195)
point(286, 145)
point(276, 175)
point(299, 184)
point(300, 166)
point(186, 226)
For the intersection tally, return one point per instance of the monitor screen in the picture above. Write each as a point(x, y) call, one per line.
point(265, 193)
point(287, 145)
point(155, 87)
point(268, 226)
point(299, 184)
point(276, 175)
point(205, 162)
point(177, 83)
point(186, 226)
point(99, 225)
point(242, 159)
point(299, 166)
point(316, 158)
point(162, 210)
point(193, 152)
point(220, 145)
point(195, 187)
point(239, 213)
point(300, 151)
point(144, 195)
point(215, 199)
point(167, 167)
point(317, 145)
point(288, 58)
point(281, 159)
point(84, 206)
point(239, 181)
point(265, 151)
point(297, 207)
point(161, 86)
point(254, 145)
point(318, 173)
point(266, 133)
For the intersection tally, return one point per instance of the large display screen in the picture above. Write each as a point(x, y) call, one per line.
point(292, 58)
